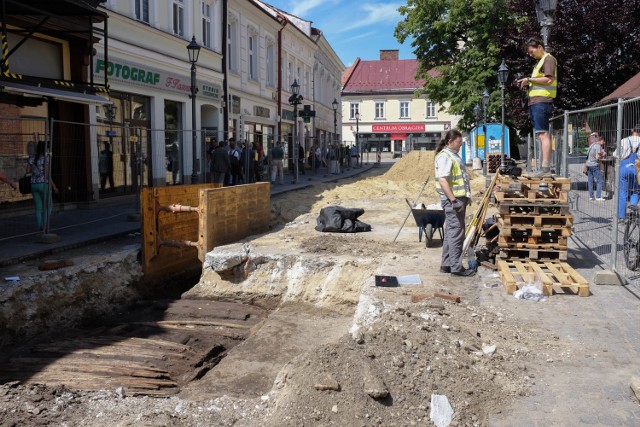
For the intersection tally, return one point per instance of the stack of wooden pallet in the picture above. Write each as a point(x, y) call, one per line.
point(535, 224)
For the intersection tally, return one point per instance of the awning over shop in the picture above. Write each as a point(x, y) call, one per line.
point(60, 95)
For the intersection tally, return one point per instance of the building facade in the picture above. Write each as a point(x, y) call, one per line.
point(381, 111)
point(327, 72)
point(150, 84)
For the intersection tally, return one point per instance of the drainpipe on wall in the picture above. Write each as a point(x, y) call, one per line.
point(283, 23)
point(225, 84)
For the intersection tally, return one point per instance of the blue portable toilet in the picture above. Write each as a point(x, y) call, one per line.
point(490, 143)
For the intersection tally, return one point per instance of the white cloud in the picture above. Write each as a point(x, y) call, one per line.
point(376, 13)
point(302, 7)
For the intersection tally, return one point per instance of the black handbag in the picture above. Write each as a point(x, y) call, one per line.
point(24, 184)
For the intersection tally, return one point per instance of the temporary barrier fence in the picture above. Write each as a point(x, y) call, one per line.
point(600, 218)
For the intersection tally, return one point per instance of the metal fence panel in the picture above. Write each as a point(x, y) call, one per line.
point(597, 223)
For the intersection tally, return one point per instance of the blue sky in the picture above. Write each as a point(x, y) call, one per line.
point(354, 28)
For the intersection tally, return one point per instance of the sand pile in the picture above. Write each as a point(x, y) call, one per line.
point(403, 180)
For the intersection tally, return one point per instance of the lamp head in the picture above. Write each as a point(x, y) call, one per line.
point(335, 104)
point(503, 73)
point(485, 99)
point(295, 87)
point(477, 110)
point(546, 11)
point(193, 49)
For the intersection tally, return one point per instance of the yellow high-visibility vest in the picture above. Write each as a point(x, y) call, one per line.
point(549, 90)
point(456, 179)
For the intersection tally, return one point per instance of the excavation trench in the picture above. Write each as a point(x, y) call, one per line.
point(230, 334)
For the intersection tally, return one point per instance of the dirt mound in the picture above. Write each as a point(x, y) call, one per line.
point(415, 166)
point(409, 354)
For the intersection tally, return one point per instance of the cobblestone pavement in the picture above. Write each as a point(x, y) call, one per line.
point(589, 383)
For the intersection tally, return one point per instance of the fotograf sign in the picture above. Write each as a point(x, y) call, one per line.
point(398, 128)
point(140, 75)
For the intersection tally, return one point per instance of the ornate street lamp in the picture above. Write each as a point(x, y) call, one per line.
point(193, 50)
point(295, 99)
point(477, 112)
point(546, 12)
point(503, 76)
point(485, 105)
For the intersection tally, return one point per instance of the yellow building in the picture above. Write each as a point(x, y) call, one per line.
point(379, 104)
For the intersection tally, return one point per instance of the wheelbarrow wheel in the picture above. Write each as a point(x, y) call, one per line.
point(428, 234)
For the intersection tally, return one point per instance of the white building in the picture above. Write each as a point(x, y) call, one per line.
point(150, 83)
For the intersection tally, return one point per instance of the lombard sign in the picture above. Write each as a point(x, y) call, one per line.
point(141, 75)
point(398, 128)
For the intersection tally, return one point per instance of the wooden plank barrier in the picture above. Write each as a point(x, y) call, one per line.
point(159, 226)
point(232, 213)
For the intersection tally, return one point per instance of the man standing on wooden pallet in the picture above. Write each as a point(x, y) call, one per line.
point(542, 87)
point(452, 184)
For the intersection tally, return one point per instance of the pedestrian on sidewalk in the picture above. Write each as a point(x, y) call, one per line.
point(234, 160)
point(541, 88)
point(301, 157)
point(42, 199)
point(452, 184)
point(627, 154)
point(221, 165)
point(277, 170)
point(105, 167)
point(594, 154)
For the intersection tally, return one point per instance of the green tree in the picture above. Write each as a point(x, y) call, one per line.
point(460, 40)
point(596, 43)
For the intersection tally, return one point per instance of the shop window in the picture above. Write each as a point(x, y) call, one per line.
point(178, 17)
point(430, 109)
point(404, 109)
point(173, 140)
point(142, 10)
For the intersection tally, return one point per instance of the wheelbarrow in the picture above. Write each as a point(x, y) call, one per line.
point(428, 221)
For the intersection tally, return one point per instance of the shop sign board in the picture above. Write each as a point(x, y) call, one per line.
point(141, 75)
point(398, 127)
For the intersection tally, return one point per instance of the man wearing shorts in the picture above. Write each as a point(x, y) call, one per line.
point(541, 87)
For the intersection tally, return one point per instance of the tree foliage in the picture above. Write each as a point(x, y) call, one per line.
point(596, 43)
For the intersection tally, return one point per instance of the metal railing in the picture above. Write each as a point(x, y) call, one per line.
point(599, 216)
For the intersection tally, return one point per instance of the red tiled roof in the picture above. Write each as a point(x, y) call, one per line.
point(384, 75)
point(629, 89)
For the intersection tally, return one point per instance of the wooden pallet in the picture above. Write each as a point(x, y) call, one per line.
point(533, 254)
point(523, 241)
point(553, 276)
point(547, 190)
point(529, 208)
point(538, 221)
point(558, 183)
point(532, 230)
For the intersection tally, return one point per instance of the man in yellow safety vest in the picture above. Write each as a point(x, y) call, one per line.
point(542, 88)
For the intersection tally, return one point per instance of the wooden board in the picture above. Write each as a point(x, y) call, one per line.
point(531, 196)
point(533, 254)
point(553, 275)
point(539, 221)
point(532, 242)
point(528, 208)
point(535, 231)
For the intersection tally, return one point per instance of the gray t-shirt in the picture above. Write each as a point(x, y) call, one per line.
point(592, 154)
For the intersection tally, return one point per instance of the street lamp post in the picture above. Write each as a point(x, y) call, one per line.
point(503, 76)
point(193, 49)
point(336, 146)
point(485, 106)
point(546, 11)
point(295, 99)
point(358, 140)
point(476, 116)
